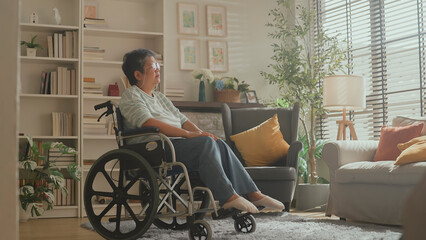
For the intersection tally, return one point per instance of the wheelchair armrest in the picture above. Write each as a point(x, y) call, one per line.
point(136, 131)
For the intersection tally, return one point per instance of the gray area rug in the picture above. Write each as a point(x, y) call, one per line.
point(281, 226)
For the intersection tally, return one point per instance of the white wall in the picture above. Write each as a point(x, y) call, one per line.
point(249, 46)
point(8, 105)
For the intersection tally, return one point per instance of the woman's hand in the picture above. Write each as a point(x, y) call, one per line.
point(192, 134)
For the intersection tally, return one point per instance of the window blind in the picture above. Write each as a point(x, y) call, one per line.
point(386, 46)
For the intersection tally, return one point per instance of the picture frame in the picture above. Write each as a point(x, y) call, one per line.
point(217, 56)
point(90, 10)
point(188, 22)
point(189, 54)
point(217, 24)
point(251, 97)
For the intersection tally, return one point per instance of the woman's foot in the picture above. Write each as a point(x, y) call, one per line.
point(269, 202)
point(258, 199)
point(240, 203)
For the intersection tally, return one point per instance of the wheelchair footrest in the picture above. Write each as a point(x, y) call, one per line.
point(225, 213)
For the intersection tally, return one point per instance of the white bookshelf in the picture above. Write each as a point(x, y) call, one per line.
point(130, 25)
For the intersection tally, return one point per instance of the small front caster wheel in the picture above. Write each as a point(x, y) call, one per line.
point(245, 224)
point(200, 229)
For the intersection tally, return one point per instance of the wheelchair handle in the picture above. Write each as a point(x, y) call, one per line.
point(107, 105)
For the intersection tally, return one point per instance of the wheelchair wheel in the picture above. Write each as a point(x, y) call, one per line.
point(245, 224)
point(179, 223)
point(200, 229)
point(113, 169)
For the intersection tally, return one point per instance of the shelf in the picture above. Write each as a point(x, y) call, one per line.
point(120, 33)
point(101, 97)
point(48, 59)
point(46, 27)
point(50, 137)
point(28, 95)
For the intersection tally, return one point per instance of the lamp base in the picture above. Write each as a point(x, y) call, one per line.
point(341, 132)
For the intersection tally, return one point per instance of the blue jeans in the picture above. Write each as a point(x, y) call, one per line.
point(218, 167)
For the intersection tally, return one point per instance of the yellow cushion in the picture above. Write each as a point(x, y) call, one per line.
point(403, 146)
point(263, 144)
point(414, 153)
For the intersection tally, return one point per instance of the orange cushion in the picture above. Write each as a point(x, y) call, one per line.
point(262, 145)
point(403, 146)
point(390, 137)
point(414, 153)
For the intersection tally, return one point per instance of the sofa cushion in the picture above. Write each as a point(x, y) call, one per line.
point(401, 121)
point(390, 137)
point(414, 153)
point(383, 172)
point(262, 145)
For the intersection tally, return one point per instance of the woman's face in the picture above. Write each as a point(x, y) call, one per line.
point(151, 75)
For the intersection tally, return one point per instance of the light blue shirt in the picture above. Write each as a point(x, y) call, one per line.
point(137, 107)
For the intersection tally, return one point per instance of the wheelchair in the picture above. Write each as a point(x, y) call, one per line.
point(140, 187)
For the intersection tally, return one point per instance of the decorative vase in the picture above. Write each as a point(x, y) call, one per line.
point(31, 52)
point(202, 92)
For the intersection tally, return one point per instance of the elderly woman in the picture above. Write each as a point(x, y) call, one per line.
point(218, 167)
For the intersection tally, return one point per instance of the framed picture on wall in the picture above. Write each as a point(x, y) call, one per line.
point(189, 54)
point(251, 96)
point(216, 21)
point(218, 56)
point(188, 18)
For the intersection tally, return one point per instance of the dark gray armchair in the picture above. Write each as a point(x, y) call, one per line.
point(279, 180)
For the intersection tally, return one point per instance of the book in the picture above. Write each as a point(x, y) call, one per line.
point(68, 82)
point(92, 85)
point(75, 44)
point(43, 81)
point(50, 46)
point(88, 79)
point(60, 41)
point(56, 45)
point(69, 44)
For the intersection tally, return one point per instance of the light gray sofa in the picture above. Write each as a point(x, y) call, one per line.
point(363, 190)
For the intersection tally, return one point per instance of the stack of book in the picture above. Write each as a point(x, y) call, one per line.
point(60, 159)
point(159, 57)
point(175, 93)
point(94, 23)
point(91, 88)
point(62, 199)
point(62, 124)
point(61, 82)
point(91, 126)
point(93, 53)
point(63, 45)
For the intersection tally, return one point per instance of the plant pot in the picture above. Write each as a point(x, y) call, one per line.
point(31, 52)
point(226, 95)
point(311, 196)
point(24, 215)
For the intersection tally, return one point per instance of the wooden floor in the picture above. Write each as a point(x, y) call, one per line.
point(69, 228)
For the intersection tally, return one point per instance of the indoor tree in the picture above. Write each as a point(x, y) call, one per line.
point(299, 67)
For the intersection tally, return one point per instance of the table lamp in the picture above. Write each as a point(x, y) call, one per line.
point(344, 92)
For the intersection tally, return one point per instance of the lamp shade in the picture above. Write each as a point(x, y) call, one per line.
point(343, 91)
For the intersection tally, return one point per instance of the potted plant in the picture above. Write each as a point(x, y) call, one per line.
point(31, 47)
point(39, 175)
point(298, 69)
point(228, 89)
point(309, 196)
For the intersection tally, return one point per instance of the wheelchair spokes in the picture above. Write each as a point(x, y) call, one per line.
point(128, 185)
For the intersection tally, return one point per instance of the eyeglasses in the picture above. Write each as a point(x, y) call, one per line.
point(155, 66)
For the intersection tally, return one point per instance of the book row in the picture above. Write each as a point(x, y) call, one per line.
point(61, 198)
point(62, 124)
point(61, 82)
point(63, 45)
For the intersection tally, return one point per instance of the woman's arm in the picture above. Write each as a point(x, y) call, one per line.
point(190, 126)
point(171, 131)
